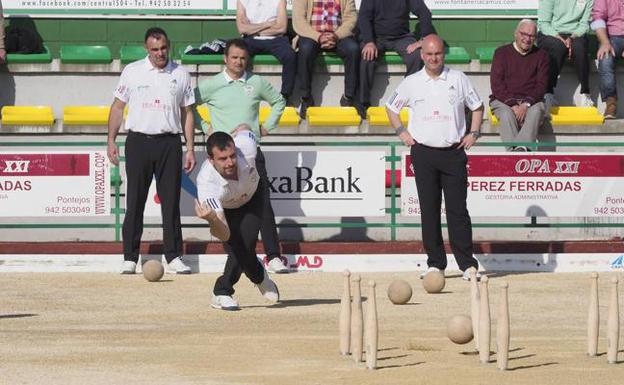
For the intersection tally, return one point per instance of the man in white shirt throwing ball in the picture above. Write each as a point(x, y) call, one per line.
point(230, 199)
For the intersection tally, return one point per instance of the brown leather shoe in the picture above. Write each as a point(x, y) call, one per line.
point(611, 109)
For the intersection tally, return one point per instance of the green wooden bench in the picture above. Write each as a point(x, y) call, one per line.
point(131, 53)
point(86, 54)
point(30, 58)
point(485, 54)
point(457, 55)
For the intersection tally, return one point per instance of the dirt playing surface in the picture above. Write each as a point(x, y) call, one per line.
point(59, 328)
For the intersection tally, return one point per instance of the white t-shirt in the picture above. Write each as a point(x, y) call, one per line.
point(437, 116)
point(154, 96)
point(222, 193)
point(260, 11)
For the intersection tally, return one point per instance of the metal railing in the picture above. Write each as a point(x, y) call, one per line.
point(392, 212)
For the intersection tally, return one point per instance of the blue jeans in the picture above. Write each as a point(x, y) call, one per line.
point(606, 68)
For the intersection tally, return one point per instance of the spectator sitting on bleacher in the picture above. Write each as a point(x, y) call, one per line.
point(2, 50)
point(263, 26)
point(325, 25)
point(563, 27)
point(384, 25)
point(608, 23)
point(518, 79)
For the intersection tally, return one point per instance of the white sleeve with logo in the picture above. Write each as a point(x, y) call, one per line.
point(247, 143)
point(189, 92)
point(122, 92)
point(209, 190)
point(471, 97)
point(400, 98)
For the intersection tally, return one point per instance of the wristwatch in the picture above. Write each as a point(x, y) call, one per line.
point(475, 134)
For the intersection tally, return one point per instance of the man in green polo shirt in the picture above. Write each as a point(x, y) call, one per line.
point(233, 98)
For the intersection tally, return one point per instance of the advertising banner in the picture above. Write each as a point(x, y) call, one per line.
point(535, 184)
point(111, 6)
point(220, 7)
point(54, 184)
point(308, 183)
point(481, 4)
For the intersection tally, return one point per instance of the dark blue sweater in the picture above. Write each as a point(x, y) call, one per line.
point(390, 18)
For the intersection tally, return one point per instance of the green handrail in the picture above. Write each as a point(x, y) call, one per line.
point(393, 211)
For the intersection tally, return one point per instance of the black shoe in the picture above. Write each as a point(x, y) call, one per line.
point(346, 101)
point(305, 103)
point(361, 109)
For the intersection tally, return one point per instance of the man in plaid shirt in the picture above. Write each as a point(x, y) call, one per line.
point(326, 25)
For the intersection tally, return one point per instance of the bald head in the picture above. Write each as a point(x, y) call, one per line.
point(432, 54)
point(434, 40)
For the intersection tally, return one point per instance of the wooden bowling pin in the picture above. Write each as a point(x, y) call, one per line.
point(345, 315)
point(371, 328)
point(357, 322)
point(502, 330)
point(484, 322)
point(613, 324)
point(593, 318)
point(474, 305)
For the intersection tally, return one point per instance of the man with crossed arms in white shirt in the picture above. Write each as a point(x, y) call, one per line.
point(230, 198)
point(436, 135)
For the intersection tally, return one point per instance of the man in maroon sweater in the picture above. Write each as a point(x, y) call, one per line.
point(518, 79)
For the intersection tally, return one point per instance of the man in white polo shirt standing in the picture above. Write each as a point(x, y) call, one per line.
point(231, 198)
point(159, 96)
point(436, 134)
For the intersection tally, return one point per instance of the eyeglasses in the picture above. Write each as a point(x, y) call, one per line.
point(527, 35)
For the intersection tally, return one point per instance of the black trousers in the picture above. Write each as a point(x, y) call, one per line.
point(281, 49)
point(413, 63)
point(558, 53)
point(268, 228)
point(147, 157)
point(443, 171)
point(244, 223)
point(347, 48)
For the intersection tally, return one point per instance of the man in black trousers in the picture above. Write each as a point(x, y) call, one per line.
point(159, 96)
point(438, 140)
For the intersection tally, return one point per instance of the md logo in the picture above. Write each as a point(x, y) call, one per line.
point(618, 263)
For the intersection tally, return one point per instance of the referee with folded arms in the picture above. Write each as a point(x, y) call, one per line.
point(159, 96)
point(437, 137)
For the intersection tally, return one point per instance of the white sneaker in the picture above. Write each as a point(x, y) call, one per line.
point(178, 267)
point(585, 101)
point(268, 289)
point(429, 270)
point(224, 302)
point(277, 266)
point(128, 267)
point(466, 276)
point(550, 101)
